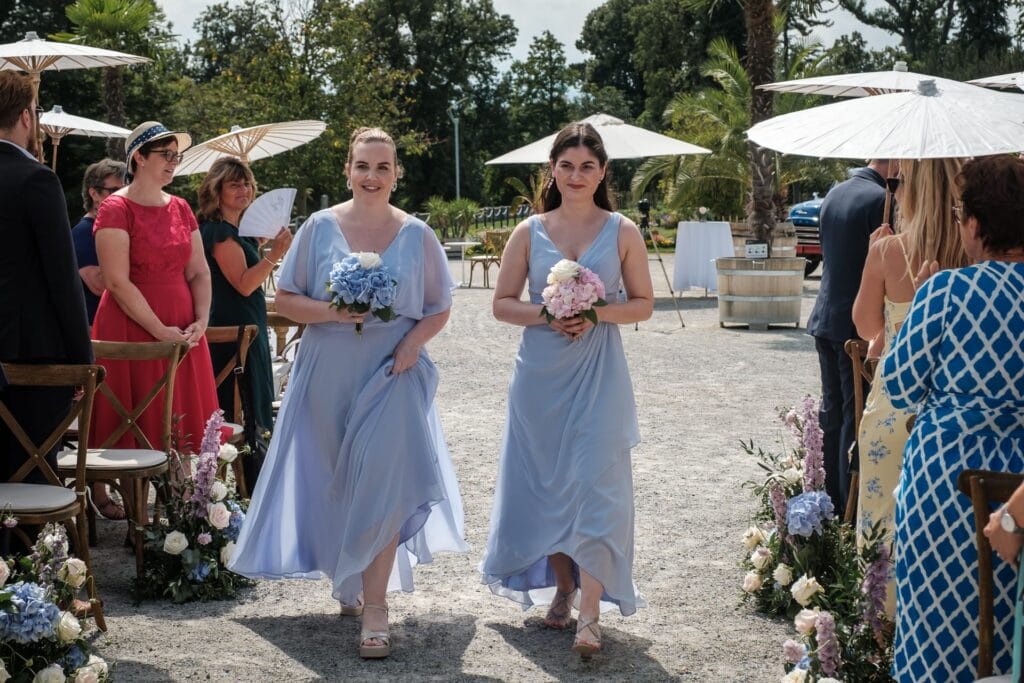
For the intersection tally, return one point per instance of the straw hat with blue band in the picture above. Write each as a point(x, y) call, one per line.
point(151, 131)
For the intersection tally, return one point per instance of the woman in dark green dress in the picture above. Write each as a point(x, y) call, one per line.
point(238, 272)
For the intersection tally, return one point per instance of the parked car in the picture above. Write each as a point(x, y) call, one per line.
point(804, 217)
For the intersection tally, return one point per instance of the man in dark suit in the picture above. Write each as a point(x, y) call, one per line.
point(851, 211)
point(42, 310)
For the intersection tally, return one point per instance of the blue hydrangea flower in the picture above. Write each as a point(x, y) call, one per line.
point(34, 616)
point(199, 572)
point(234, 527)
point(74, 659)
point(806, 512)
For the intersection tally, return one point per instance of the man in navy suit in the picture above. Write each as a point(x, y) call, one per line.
point(851, 211)
point(42, 310)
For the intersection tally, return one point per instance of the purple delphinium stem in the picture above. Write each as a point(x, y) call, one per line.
point(874, 587)
point(813, 443)
point(211, 436)
point(828, 646)
point(206, 473)
point(778, 499)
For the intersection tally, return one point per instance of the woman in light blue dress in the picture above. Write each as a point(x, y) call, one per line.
point(562, 520)
point(358, 484)
point(960, 357)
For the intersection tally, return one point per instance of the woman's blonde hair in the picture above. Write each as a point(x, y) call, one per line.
point(926, 212)
point(366, 134)
point(224, 170)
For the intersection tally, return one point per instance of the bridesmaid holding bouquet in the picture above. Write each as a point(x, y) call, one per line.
point(562, 524)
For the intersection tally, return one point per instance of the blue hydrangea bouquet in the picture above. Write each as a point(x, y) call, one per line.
point(361, 283)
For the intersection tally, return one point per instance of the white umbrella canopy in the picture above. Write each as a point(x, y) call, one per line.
point(57, 123)
point(34, 55)
point(899, 79)
point(929, 123)
point(1013, 81)
point(621, 141)
point(249, 144)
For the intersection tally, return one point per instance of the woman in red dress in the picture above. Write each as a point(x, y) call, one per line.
point(157, 289)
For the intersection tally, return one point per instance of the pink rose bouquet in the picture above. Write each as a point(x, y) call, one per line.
point(572, 291)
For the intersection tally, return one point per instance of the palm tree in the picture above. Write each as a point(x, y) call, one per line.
point(110, 24)
point(760, 63)
point(531, 193)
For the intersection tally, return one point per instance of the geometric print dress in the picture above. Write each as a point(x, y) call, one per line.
point(959, 357)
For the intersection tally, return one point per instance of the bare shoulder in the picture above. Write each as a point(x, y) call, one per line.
point(627, 226)
point(629, 234)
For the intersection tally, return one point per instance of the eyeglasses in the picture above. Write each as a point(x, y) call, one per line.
point(36, 111)
point(169, 155)
point(108, 190)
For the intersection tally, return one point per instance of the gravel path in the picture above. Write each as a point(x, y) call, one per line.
point(699, 390)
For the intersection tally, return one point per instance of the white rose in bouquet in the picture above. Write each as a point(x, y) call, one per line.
point(175, 543)
point(752, 582)
point(5, 573)
point(761, 558)
point(368, 259)
point(793, 476)
point(51, 674)
point(563, 271)
point(73, 572)
point(753, 538)
point(805, 621)
point(228, 453)
point(226, 552)
point(86, 675)
point(805, 588)
point(218, 491)
point(795, 676)
point(68, 628)
point(783, 574)
point(218, 515)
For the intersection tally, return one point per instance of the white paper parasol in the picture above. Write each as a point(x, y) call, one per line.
point(929, 123)
point(621, 141)
point(57, 123)
point(250, 144)
point(1013, 81)
point(899, 79)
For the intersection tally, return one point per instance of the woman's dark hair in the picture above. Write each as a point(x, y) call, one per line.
point(992, 192)
point(579, 134)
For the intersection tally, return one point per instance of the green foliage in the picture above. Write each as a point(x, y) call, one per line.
point(540, 86)
point(451, 218)
point(530, 193)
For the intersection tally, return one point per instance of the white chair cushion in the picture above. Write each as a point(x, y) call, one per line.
point(995, 679)
point(34, 497)
point(236, 429)
point(113, 458)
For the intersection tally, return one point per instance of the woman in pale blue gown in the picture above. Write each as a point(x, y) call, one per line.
point(562, 521)
point(358, 484)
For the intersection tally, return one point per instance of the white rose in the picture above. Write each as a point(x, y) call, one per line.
point(96, 664)
point(175, 542)
point(51, 674)
point(563, 271)
point(368, 259)
point(753, 538)
point(829, 680)
point(5, 573)
point(783, 574)
point(806, 620)
point(805, 588)
point(795, 676)
point(228, 453)
point(761, 558)
point(218, 491)
point(73, 572)
point(752, 582)
point(55, 543)
point(4, 676)
point(86, 675)
point(68, 628)
point(792, 476)
point(218, 515)
point(226, 552)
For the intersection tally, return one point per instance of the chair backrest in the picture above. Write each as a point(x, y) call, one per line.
point(85, 377)
point(172, 353)
point(229, 335)
point(281, 325)
point(494, 241)
point(864, 368)
point(986, 489)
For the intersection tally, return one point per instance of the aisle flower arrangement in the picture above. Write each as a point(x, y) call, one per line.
point(802, 562)
point(187, 551)
point(42, 635)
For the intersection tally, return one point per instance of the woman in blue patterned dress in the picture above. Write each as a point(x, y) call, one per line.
point(358, 485)
point(563, 512)
point(960, 357)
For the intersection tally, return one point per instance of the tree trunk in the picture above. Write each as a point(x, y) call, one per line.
point(761, 69)
point(113, 100)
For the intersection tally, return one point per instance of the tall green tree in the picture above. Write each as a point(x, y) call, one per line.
point(923, 26)
point(608, 37)
point(540, 87)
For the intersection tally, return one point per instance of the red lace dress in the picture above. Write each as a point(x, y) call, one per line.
point(160, 247)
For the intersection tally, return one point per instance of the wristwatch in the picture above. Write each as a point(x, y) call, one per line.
point(1008, 523)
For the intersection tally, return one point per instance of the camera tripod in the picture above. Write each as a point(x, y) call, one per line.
point(644, 207)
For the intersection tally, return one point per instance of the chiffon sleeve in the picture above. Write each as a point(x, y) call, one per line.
point(907, 369)
point(437, 281)
point(295, 271)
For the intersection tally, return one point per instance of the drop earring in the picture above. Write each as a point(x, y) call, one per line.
point(348, 183)
point(394, 188)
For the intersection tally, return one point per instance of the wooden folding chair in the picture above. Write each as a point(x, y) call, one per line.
point(986, 489)
point(281, 325)
point(115, 466)
point(229, 335)
point(864, 371)
point(494, 242)
point(47, 503)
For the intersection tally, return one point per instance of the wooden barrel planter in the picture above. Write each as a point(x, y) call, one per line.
point(783, 241)
point(760, 292)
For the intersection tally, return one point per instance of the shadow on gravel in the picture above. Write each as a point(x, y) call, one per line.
point(130, 670)
point(686, 303)
point(623, 657)
point(424, 647)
